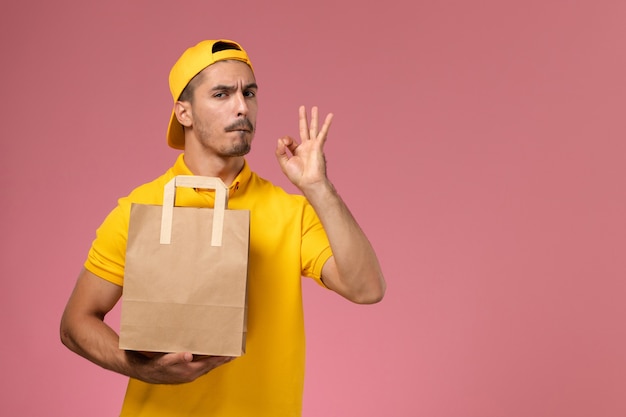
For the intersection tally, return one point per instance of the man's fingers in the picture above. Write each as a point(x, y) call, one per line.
point(314, 121)
point(311, 131)
point(285, 148)
point(288, 143)
point(324, 132)
point(176, 358)
point(216, 360)
point(304, 125)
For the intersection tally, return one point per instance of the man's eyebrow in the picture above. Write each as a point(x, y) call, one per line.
point(224, 87)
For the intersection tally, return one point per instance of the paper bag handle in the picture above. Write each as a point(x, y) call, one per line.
point(194, 181)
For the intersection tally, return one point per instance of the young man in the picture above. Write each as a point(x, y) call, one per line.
point(213, 121)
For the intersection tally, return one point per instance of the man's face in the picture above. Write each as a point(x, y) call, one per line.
point(224, 109)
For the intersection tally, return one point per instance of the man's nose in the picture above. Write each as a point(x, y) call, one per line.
point(241, 104)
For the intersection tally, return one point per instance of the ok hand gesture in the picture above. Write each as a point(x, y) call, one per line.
point(304, 163)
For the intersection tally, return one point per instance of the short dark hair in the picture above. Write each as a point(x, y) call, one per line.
point(190, 88)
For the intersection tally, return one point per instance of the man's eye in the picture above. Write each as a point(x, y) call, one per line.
point(250, 93)
point(219, 95)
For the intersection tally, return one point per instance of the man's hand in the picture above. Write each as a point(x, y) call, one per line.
point(353, 270)
point(173, 368)
point(304, 163)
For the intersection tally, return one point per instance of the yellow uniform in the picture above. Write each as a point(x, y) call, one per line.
point(287, 241)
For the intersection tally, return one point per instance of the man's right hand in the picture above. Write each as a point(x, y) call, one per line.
point(84, 331)
point(173, 368)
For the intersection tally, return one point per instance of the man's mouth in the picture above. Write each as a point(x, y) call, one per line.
point(241, 126)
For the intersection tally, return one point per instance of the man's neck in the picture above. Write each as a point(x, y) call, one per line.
point(214, 166)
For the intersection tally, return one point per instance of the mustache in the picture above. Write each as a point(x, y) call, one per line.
point(241, 124)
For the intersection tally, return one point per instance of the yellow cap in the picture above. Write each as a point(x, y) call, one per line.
point(191, 62)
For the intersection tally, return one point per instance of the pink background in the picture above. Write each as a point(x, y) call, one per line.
point(481, 144)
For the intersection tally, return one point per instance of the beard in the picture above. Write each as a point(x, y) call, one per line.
point(228, 147)
point(240, 148)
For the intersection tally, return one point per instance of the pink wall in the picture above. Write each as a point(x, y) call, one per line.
point(480, 143)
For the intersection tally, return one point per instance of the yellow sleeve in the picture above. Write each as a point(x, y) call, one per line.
point(315, 248)
point(107, 255)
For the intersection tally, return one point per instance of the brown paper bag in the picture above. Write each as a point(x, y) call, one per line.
point(186, 275)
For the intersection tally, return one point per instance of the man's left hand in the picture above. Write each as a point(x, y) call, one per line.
point(304, 163)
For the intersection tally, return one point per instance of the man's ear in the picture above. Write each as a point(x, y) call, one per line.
point(182, 109)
